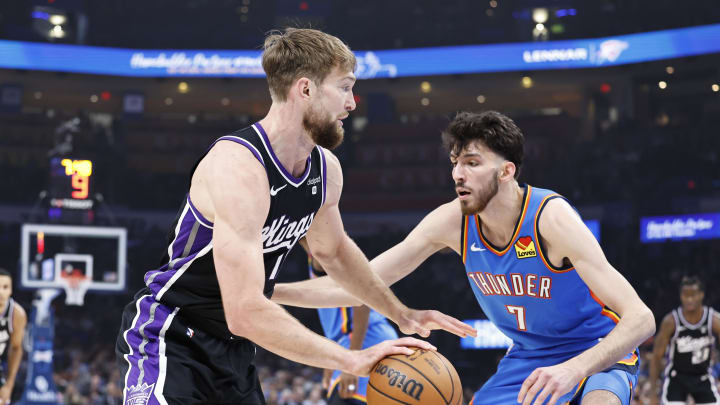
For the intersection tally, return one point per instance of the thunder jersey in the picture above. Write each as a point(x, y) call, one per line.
point(545, 310)
point(691, 345)
point(187, 278)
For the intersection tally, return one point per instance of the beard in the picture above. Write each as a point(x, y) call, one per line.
point(481, 199)
point(323, 132)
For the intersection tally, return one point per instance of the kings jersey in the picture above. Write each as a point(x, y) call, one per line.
point(187, 279)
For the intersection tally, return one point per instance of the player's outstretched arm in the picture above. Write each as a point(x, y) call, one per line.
point(349, 267)
point(15, 352)
point(667, 328)
point(439, 229)
point(228, 181)
point(565, 235)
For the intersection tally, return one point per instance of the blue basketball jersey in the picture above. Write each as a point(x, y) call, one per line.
point(337, 322)
point(545, 310)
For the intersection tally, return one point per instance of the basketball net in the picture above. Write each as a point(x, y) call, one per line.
point(75, 286)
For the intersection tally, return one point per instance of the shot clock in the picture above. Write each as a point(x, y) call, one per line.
point(70, 184)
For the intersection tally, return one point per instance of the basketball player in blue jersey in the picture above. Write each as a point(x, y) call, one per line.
point(189, 336)
point(354, 328)
point(690, 333)
point(13, 320)
point(536, 270)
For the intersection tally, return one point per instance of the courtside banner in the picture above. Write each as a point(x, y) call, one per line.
point(488, 336)
point(698, 226)
point(572, 54)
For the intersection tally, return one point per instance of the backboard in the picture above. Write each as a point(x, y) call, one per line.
point(53, 253)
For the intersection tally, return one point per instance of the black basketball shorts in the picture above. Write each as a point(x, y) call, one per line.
point(165, 361)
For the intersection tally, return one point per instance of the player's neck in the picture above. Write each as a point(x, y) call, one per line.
point(693, 316)
point(501, 214)
point(288, 138)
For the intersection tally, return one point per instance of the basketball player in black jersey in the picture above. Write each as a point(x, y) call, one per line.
point(189, 337)
point(689, 333)
point(13, 320)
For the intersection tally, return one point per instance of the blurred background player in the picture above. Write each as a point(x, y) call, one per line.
point(354, 328)
point(13, 320)
point(689, 332)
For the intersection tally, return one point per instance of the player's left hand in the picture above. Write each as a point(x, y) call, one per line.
point(347, 385)
point(549, 382)
point(422, 322)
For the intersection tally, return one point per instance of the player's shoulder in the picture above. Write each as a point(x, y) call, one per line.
point(449, 211)
point(558, 208)
point(19, 312)
point(332, 162)
point(668, 322)
point(231, 160)
point(443, 223)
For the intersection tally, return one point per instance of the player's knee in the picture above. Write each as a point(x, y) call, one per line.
point(601, 397)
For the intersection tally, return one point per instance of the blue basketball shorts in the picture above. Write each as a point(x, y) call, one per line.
point(504, 386)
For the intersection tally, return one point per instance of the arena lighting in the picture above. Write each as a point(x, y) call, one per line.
point(56, 32)
point(425, 101)
point(670, 70)
point(540, 15)
point(57, 19)
point(527, 82)
point(94, 98)
point(662, 84)
point(183, 87)
point(605, 88)
point(715, 87)
point(425, 87)
point(565, 12)
point(168, 101)
point(480, 99)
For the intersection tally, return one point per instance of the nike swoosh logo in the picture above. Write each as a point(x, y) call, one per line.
point(274, 191)
point(476, 249)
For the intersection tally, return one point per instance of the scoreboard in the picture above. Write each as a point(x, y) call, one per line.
point(70, 184)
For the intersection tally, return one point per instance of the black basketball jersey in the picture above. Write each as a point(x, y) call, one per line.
point(187, 278)
point(692, 344)
point(6, 328)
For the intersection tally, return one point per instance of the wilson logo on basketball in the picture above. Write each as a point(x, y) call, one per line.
point(525, 247)
point(400, 381)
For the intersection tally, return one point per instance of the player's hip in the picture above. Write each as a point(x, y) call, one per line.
point(161, 355)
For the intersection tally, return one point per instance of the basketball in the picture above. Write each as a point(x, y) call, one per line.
point(422, 378)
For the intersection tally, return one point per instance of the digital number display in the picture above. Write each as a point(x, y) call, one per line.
point(70, 183)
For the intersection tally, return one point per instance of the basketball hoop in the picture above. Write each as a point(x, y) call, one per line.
point(75, 286)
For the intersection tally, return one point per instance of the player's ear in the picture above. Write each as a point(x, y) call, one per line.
point(303, 88)
point(507, 171)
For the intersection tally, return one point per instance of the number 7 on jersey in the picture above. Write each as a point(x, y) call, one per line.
point(519, 313)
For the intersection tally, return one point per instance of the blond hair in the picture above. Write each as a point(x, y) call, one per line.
point(302, 52)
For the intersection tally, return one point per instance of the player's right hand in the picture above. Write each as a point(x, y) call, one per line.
point(423, 321)
point(364, 360)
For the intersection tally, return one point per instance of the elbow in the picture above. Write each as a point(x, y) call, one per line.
point(648, 322)
point(239, 326)
point(240, 319)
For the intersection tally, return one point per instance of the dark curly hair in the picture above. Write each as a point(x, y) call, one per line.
point(692, 280)
point(497, 131)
